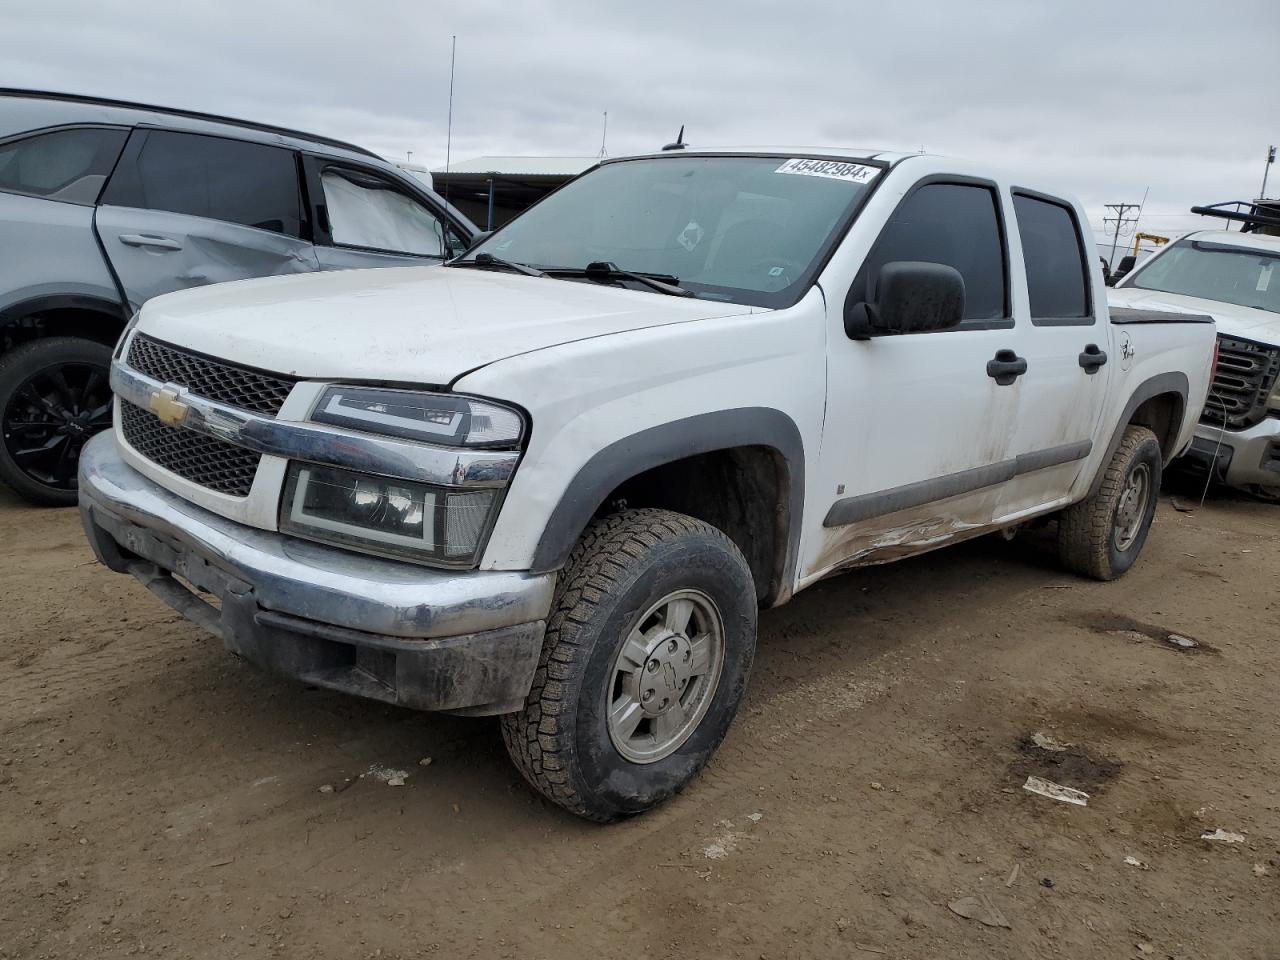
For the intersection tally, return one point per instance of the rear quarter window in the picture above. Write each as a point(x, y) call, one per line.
point(67, 165)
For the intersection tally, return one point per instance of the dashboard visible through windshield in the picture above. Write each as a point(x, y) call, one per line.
point(744, 229)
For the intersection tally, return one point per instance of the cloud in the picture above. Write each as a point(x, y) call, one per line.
point(1103, 99)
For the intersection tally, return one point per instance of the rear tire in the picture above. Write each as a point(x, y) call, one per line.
point(1102, 535)
point(54, 395)
point(646, 657)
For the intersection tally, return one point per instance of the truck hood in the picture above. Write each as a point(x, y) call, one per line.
point(1252, 324)
point(422, 325)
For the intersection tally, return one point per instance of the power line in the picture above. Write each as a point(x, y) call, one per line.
point(1120, 220)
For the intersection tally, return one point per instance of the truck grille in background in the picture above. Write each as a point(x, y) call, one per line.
point(1242, 382)
point(213, 379)
point(193, 456)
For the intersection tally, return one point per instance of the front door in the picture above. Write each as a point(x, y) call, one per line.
point(184, 209)
point(917, 432)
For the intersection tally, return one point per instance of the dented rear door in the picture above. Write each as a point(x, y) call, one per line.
point(185, 210)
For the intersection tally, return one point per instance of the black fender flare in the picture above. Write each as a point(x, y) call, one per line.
point(666, 443)
point(1174, 382)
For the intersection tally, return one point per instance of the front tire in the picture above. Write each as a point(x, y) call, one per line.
point(645, 661)
point(54, 396)
point(1102, 535)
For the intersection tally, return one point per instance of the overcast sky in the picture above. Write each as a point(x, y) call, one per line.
point(1102, 98)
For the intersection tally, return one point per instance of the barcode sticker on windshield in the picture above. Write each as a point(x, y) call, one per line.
point(1264, 278)
point(830, 169)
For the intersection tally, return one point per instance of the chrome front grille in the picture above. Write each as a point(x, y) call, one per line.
point(224, 382)
point(1242, 382)
point(193, 456)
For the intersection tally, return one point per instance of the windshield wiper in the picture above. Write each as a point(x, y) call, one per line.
point(605, 270)
point(487, 261)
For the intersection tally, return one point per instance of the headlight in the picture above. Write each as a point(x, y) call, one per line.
point(394, 518)
point(428, 417)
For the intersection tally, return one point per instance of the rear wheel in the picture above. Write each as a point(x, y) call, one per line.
point(646, 657)
point(1102, 535)
point(54, 395)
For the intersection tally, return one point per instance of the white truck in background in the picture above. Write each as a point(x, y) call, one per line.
point(556, 479)
point(1234, 277)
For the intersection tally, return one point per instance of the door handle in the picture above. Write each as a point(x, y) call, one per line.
point(146, 240)
point(1092, 359)
point(1006, 367)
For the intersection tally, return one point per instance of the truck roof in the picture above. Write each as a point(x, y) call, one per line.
point(843, 153)
point(1234, 238)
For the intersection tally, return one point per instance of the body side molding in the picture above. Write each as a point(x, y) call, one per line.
point(869, 505)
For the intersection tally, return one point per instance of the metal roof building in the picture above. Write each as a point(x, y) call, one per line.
point(492, 190)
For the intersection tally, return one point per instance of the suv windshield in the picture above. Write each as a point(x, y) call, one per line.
point(744, 229)
point(1215, 271)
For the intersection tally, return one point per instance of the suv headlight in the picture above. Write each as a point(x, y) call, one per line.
point(393, 517)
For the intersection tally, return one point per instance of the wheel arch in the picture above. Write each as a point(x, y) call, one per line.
point(757, 451)
point(63, 315)
point(1159, 403)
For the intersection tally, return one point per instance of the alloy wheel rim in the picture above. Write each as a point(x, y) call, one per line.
point(51, 416)
point(1132, 507)
point(665, 676)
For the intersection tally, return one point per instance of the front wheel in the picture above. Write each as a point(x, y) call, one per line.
point(54, 395)
point(645, 660)
point(1102, 535)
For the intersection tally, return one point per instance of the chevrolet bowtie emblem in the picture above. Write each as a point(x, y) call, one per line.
point(166, 405)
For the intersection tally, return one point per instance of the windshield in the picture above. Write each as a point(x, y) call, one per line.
point(1215, 271)
point(743, 229)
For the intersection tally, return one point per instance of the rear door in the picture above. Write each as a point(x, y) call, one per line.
point(365, 217)
point(184, 209)
point(1068, 367)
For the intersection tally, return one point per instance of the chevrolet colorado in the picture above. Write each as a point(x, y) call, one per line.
point(557, 479)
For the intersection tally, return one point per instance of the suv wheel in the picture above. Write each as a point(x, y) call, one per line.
point(1102, 535)
point(646, 657)
point(54, 395)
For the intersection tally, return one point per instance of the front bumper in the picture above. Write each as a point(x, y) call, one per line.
point(464, 642)
point(1239, 458)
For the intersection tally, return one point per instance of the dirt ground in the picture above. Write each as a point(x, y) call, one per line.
point(159, 797)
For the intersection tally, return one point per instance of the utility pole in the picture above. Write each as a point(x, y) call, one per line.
point(1266, 168)
point(1120, 221)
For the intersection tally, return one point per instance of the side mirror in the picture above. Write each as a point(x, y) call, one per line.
point(476, 240)
point(910, 297)
point(1124, 268)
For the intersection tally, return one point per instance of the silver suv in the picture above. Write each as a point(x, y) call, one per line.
point(105, 204)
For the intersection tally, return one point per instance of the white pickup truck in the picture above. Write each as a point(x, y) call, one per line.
point(556, 479)
point(1235, 278)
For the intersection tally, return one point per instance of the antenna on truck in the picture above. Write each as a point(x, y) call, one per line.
point(678, 144)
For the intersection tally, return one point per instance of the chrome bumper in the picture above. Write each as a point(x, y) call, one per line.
point(439, 640)
point(1240, 458)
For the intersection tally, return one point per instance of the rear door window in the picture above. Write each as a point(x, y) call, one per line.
point(954, 224)
point(1053, 252)
point(251, 184)
point(68, 165)
point(370, 212)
